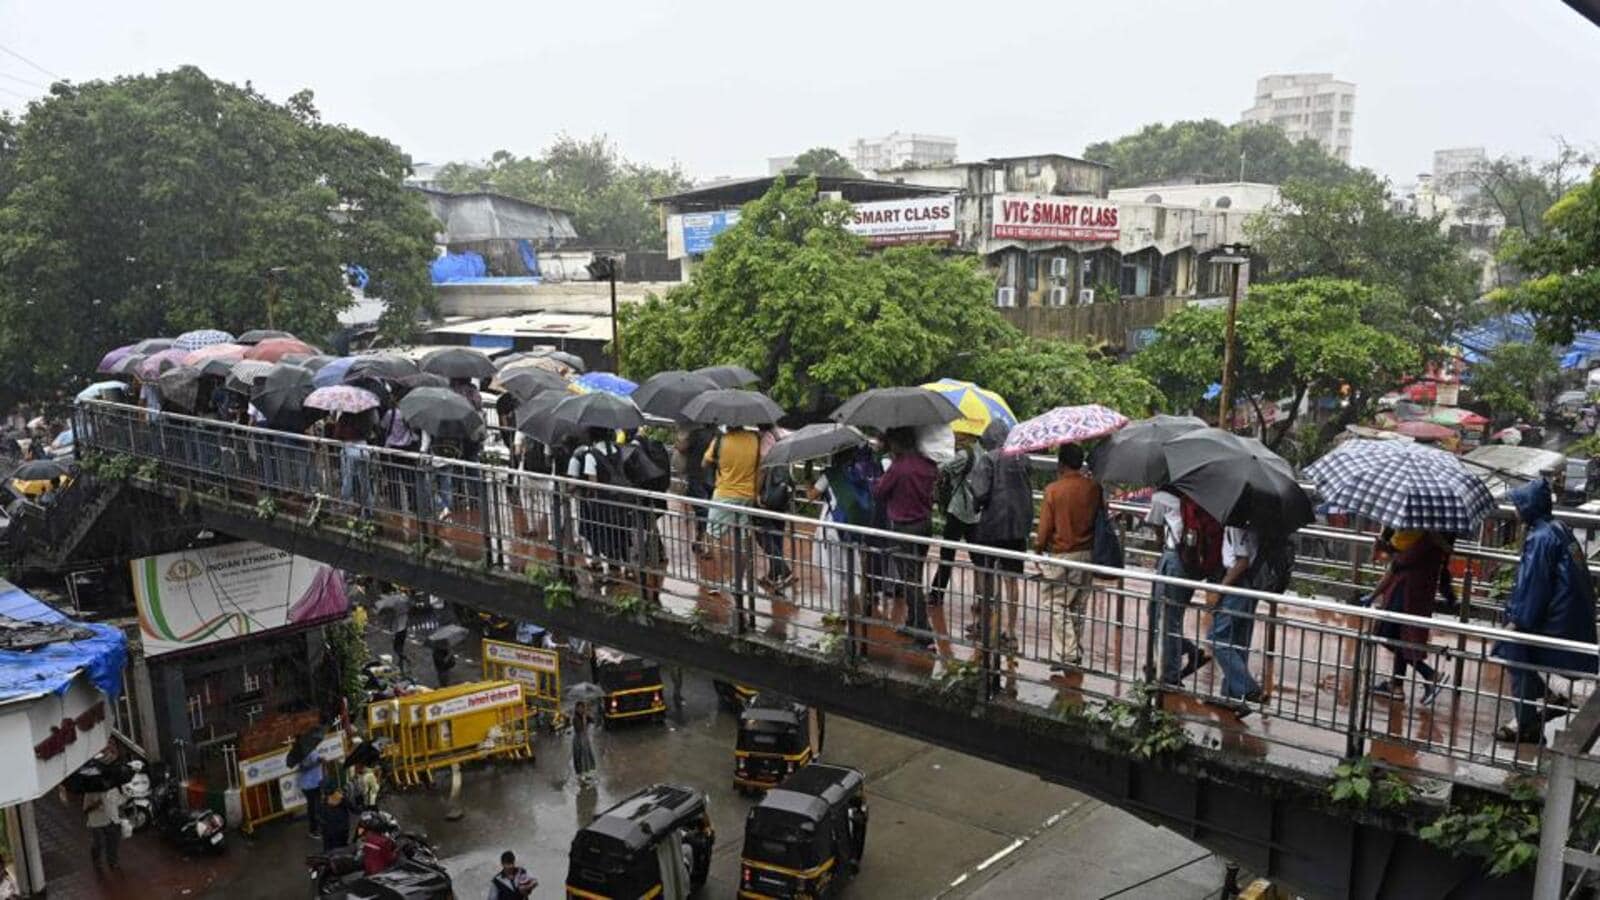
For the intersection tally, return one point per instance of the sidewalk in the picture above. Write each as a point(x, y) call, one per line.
point(149, 867)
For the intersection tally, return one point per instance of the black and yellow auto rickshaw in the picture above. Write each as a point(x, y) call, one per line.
point(803, 841)
point(731, 695)
point(632, 686)
point(655, 844)
point(776, 737)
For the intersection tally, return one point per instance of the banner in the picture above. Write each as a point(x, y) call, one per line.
point(1026, 217)
point(263, 769)
point(534, 658)
point(913, 220)
point(196, 597)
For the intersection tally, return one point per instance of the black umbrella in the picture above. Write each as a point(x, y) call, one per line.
point(896, 407)
point(312, 361)
point(442, 413)
point(180, 387)
point(243, 374)
point(458, 362)
point(600, 410)
point(422, 380)
point(729, 376)
point(39, 470)
point(1237, 480)
point(380, 365)
point(816, 441)
point(98, 775)
point(536, 418)
point(732, 407)
point(664, 394)
point(447, 636)
point(1135, 455)
point(257, 335)
point(218, 367)
point(279, 393)
point(571, 361)
point(525, 382)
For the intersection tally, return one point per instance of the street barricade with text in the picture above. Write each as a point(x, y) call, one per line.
point(444, 727)
point(269, 787)
point(536, 669)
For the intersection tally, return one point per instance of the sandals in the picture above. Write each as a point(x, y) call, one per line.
point(1509, 734)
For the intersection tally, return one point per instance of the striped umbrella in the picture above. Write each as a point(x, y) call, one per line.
point(153, 365)
point(609, 383)
point(204, 337)
point(1402, 485)
point(979, 406)
point(1063, 425)
point(341, 398)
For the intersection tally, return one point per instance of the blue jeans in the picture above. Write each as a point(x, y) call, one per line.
point(1168, 605)
point(353, 474)
point(1232, 626)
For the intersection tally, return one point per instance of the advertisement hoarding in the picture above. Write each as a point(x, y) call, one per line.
point(1028, 217)
point(913, 220)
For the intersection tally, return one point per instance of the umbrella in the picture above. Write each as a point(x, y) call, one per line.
point(442, 413)
point(153, 365)
point(332, 371)
point(729, 376)
point(153, 345)
point(205, 337)
point(421, 380)
point(381, 365)
point(585, 692)
point(341, 398)
point(458, 362)
point(1063, 425)
point(94, 391)
point(111, 358)
point(392, 605)
point(896, 407)
point(275, 349)
point(1456, 417)
point(1402, 485)
point(1237, 480)
point(219, 368)
point(600, 410)
point(257, 335)
point(978, 406)
point(280, 393)
point(181, 387)
point(536, 419)
point(665, 393)
point(230, 352)
point(500, 362)
point(819, 440)
point(447, 636)
point(126, 365)
point(1426, 431)
point(540, 362)
point(570, 360)
point(524, 382)
point(39, 470)
point(1134, 455)
point(609, 382)
point(314, 362)
point(732, 407)
point(242, 376)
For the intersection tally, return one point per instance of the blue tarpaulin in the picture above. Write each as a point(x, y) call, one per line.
point(1480, 340)
point(530, 259)
point(50, 668)
point(457, 267)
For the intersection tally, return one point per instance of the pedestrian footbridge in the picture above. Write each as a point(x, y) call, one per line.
point(626, 568)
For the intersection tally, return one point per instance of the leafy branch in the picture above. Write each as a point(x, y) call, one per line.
point(1504, 831)
point(1356, 783)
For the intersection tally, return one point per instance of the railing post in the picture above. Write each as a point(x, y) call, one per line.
point(1555, 825)
point(741, 534)
point(1355, 743)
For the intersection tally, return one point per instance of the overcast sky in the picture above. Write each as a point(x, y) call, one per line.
point(718, 86)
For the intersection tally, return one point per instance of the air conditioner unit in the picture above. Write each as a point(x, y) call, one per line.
point(830, 195)
point(1005, 297)
point(1058, 267)
point(1058, 296)
point(1085, 296)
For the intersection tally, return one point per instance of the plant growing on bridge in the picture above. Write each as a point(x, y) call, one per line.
point(1502, 830)
point(266, 509)
point(557, 594)
point(349, 651)
point(364, 529)
point(631, 605)
point(1356, 783)
point(1150, 730)
point(959, 677)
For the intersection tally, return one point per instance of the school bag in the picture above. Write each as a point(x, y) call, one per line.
point(1200, 544)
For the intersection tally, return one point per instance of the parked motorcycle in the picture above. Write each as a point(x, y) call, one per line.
point(415, 874)
point(136, 799)
point(190, 830)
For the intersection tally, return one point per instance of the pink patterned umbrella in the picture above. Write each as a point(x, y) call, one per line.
point(112, 358)
point(156, 363)
point(1063, 425)
point(341, 398)
point(215, 351)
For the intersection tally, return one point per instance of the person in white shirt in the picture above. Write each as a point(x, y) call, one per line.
point(1169, 602)
point(102, 812)
point(1233, 618)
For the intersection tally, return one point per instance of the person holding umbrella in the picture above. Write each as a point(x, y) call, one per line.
point(1233, 618)
point(906, 493)
point(1409, 586)
point(1066, 531)
point(583, 759)
point(733, 459)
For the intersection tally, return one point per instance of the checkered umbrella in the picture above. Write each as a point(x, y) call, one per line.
point(1063, 425)
point(1402, 485)
point(205, 337)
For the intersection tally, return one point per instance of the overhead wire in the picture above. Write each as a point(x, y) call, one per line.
point(32, 84)
point(10, 52)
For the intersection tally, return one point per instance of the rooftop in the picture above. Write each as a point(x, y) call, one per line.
point(573, 326)
point(725, 194)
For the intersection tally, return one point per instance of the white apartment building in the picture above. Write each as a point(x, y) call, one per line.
point(1308, 105)
point(1453, 172)
point(898, 149)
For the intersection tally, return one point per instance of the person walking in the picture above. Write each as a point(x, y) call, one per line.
point(1066, 532)
point(335, 815)
point(1233, 616)
point(1002, 490)
point(309, 778)
point(600, 518)
point(906, 493)
point(102, 813)
point(1553, 596)
point(774, 493)
point(954, 495)
point(693, 442)
point(512, 882)
point(734, 459)
point(583, 761)
point(1409, 586)
point(1169, 602)
point(402, 622)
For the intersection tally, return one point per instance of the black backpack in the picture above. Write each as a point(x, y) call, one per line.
point(648, 465)
point(1273, 567)
point(777, 489)
point(607, 466)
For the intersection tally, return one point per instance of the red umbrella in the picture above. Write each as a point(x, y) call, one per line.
point(276, 349)
point(1425, 431)
point(200, 357)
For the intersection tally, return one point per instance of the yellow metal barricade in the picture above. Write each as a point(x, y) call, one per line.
point(440, 728)
point(538, 670)
point(269, 787)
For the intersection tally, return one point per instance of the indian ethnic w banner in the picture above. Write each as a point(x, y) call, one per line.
point(196, 597)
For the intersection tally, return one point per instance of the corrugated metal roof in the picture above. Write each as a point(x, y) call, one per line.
point(483, 216)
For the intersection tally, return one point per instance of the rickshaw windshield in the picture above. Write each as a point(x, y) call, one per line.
point(784, 839)
point(770, 737)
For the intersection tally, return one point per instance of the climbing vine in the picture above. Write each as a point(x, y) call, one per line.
point(1356, 783)
point(1502, 830)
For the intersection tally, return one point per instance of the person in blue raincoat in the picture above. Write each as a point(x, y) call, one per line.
point(1553, 596)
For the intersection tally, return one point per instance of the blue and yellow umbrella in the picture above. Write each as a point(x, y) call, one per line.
point(979, 406)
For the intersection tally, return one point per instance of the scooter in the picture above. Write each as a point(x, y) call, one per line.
point(416, 873)
point(136, 796)
point(191, 831)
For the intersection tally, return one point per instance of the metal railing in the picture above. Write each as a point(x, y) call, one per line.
point(996, 619)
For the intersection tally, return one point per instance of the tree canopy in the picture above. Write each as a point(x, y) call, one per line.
point(153, 204)
point(795, 297)
point(822, 161)
point(1561, 265)
point(608, 195)
point(1207, 150)
point(1350, 230)
point(1292, 340)
point(1516, 380)
point(1519, 189)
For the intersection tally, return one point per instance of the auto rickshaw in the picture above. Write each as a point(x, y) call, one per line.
point(656, 844)
point(731, 695)
point(632, 685)
point(805, 839)
point(776, 736)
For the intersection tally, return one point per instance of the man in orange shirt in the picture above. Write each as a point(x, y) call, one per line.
point(1066, 531)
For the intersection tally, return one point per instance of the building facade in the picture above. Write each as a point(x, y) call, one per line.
point(1308, 105)
point(898, 150)
point(1455, 172)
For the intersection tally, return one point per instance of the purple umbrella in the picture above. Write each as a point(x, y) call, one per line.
point(112, 358)
point(1063, 425)
point(156, 363)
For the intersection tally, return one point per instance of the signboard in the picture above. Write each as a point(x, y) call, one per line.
point(1027, 217)
point(196, 597)
point(533, 658)
point(273, 766)
point(907, 221)
point(700, 230)
point(489, 698)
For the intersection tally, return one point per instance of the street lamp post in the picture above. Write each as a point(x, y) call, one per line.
point(605, 267)
point(1239, 256)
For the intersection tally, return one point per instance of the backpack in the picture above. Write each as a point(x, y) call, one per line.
point(1273, 566)
point(1200, 544)
point(607, 466)
point(852, 496)
point(647, 465)
point(1107, 543)
point(777, 489)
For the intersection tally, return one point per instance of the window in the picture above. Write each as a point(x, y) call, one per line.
point(1033, 263)
point(1034, 166)
point(1324, 101)
point(1344, 118)
point(1347, 100)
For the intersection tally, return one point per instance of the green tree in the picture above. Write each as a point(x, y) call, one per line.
point(1208, 150)
point(608, 195)
point(824, 161)
point(794, 296)
point(1036, 375)
point(1350, 230)
point(1520, 189)
point(153, 204)
point(1293, 340)
point(1515, 380)
point(1561, 264)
